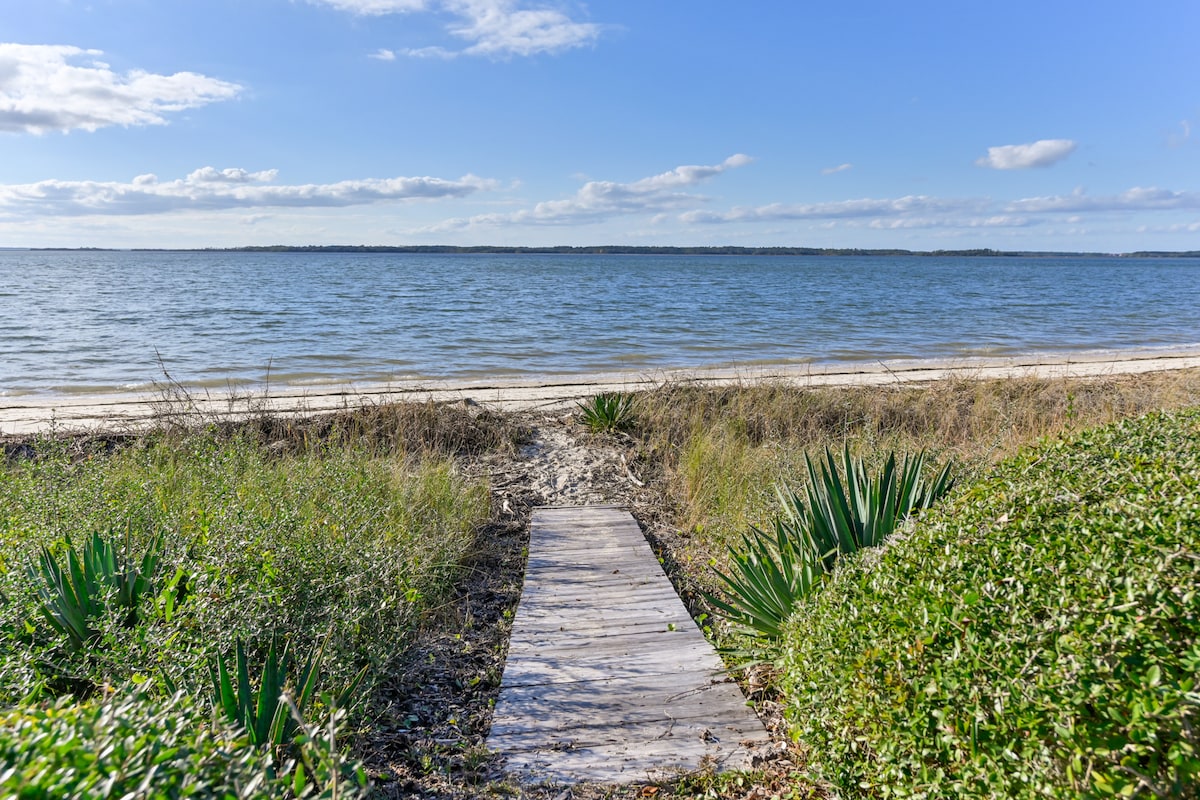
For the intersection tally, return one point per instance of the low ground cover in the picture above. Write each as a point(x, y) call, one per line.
point(1040, 636)
point(336, 546)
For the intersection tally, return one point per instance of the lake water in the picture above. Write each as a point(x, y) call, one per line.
point(85, 322)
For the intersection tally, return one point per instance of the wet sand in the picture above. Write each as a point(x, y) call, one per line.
point(33, 414)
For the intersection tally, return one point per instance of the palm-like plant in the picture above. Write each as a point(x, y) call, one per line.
point(771, 573)
point(836, 516)
point(74, 595)
point(607, 412)
point(840, 516)
point(262, 710)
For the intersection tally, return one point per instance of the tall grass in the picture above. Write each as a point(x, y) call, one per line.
point(324, 543)
point(724, 448)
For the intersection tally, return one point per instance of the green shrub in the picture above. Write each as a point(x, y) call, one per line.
point(330, 544)
point(133, 746)
point(1037, 637)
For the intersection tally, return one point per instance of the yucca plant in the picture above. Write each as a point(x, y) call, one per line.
point(263, 710)
point(842, 515)
point(771, 573)
point(93, 578)
point(607, 412)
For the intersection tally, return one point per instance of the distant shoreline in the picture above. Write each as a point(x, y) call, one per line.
point(619, 250)
point(21, 416)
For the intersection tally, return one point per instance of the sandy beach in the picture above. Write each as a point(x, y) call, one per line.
point(34, 414)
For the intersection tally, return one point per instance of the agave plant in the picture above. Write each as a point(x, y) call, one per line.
point(607, 412)
point(836, 517)
point(771, 574)
point(74, 595)
point(842, 516)
point(263, 711)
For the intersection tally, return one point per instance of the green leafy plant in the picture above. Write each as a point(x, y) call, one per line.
point(1037, 636)
point(839, 516)
point(770, 574)
point(273, 712)
point(607, 412)
point(262, 710)
point(773, 572)
point(94, 578)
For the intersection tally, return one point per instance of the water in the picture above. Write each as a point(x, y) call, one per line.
point(82, 322)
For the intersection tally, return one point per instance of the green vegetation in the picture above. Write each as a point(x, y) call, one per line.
point(1037, 637)
point(607, 412)
point(722, 449)
point(196, 545)
point(840, 514)
point(222, 612)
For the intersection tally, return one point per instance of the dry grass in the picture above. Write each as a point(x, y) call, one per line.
point(450, 429)
point(724, 448)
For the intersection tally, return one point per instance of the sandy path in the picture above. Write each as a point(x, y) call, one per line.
point(31, 414)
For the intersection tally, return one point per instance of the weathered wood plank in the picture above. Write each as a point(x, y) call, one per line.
point(608, 679)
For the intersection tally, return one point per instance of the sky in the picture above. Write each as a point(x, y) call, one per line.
point(1047, 125)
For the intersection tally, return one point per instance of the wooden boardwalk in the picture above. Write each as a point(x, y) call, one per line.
point(608, 679)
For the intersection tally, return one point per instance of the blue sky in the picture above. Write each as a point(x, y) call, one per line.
point(924, 125)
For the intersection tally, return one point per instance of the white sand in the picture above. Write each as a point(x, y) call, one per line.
point(23, 415)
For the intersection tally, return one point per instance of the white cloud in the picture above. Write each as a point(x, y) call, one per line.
point(1041, 153)
point(842, 209)
point(211, 189)
point(490, 28)
point(376, 7)
point(998, 221)
point(837, 169)
point(599, 200)
point(234, 175)
point(383, 54)
point(430, 52)
point(498, 28)
point(62, 88)
point(1135, 199)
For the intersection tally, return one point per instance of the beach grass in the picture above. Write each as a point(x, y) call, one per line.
point(723, 449)
point(337, 539)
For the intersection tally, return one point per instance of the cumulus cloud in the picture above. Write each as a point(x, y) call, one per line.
point(499, 28)
point(383, 54)
point(62, 88)
point(922, 211)
point(600, 200)
point(1041, 153)
point(210, 189)
point(490, 28)
point(837, 169)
